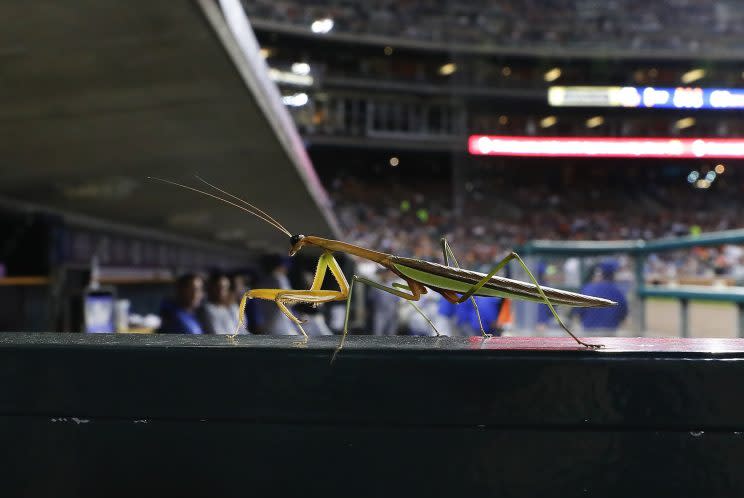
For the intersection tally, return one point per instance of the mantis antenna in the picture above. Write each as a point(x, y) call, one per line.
point(254, 211)
point(262, 212)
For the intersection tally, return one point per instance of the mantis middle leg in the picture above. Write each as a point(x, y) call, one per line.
point(415, 294)
point(448, 253)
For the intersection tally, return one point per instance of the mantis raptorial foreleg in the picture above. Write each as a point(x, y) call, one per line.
point(448, 253)
point(314, 295)
point(503, 263)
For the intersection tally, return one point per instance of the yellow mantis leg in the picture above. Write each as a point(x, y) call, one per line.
point(498, 267)
point(314, 295)
point(448, 253)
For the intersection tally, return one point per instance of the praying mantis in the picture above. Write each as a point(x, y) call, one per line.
point(452, 282)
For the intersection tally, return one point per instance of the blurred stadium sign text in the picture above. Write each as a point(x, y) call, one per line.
point(486, 145)
point(646, 97)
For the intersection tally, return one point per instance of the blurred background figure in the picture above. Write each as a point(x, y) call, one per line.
point(219, 313)
point(445, 319)
point(240, 283)
point(269, 319)
point(545, 318)
point(384, 305)
point(179, 314)
point(603, 321)
point(314, 319)
point(417, 324)
point(490, 313)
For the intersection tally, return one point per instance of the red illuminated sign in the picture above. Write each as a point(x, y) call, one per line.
point(489, 145)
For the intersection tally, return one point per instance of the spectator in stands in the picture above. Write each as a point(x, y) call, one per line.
point(489, 309)
point(219, 314)
point(619, 24)
point(417, 324)
point(240, 283)
point(179, 315)
point(603, 321)
point(270, 320)
point(545, 318)
point(445, 319)
point(313, 317)
point(384, 305)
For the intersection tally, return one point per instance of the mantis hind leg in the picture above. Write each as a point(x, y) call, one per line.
point(314, 295)
point(241, 314)
point(448, 253)
point(281, 297)
point(415, 295)
point(504, 262)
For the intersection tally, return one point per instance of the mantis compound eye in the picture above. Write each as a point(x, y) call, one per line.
point(295, 242)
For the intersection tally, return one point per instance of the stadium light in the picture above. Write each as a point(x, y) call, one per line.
point(447, 69)
point(594, 122)
point(692, 76)
point(296, 100)
point(548, 121)
point(301, 68)
point(684, 123)
point(552, 74)
point(674, 148)
point(289, 78)
point(322, 26)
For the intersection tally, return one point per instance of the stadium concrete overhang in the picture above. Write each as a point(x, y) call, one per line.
point(99, 94)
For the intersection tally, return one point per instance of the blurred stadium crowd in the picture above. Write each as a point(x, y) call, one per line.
point(410, 221)
point(626, 24)
point(385, 120)
point(491, 211)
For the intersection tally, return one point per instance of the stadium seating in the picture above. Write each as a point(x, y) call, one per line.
point(618, 24)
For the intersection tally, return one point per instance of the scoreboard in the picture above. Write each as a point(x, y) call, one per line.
point(646, 97)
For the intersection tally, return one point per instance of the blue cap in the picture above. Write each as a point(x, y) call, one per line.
point(609, 267)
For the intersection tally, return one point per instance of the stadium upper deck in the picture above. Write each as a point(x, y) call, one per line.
point(436, 72)
point(676, 28)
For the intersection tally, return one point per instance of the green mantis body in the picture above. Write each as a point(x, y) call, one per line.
point(453, 283)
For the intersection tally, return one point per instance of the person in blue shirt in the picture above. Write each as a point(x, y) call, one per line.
point(603, 320)
point(545, 317)
point(489, 308)
point(446, 319)
point(179, 316)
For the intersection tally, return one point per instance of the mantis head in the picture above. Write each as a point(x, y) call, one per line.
point(296, 242)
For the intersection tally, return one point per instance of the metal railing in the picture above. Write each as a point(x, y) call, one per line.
point(638, 251)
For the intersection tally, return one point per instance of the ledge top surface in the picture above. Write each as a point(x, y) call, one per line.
point(374, 343)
